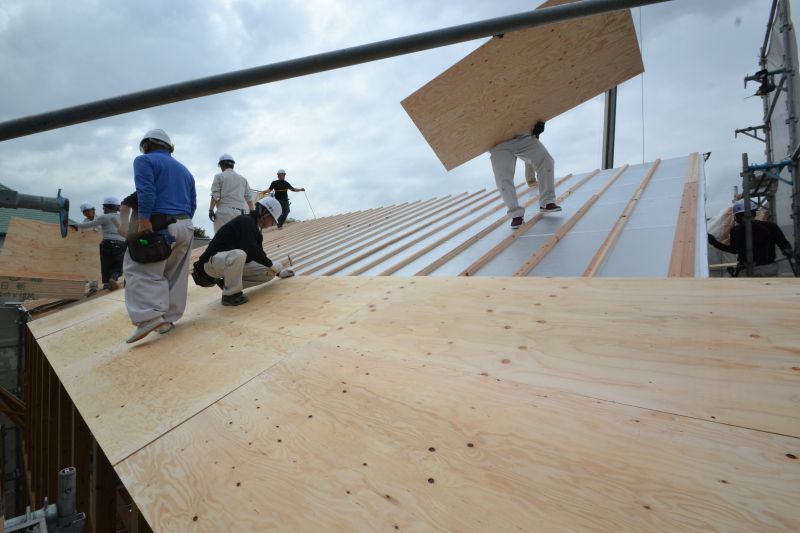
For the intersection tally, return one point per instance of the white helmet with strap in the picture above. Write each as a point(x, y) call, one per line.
point(272, 206)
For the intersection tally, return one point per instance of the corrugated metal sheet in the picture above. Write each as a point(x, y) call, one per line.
point(641, 220)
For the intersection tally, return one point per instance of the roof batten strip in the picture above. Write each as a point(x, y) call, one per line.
point(681, 263)
point(536, 258)
point(613, 235)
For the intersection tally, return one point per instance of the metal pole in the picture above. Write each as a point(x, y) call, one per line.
point(609, 128)
point(787, 32)
point(307, 65)
point(748, 218)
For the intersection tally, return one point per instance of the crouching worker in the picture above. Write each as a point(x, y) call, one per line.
point(235, 258)
point(112, 247)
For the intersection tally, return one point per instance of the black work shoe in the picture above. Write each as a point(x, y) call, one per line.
point(516, 222)
point(234, 299)
point(550, 208)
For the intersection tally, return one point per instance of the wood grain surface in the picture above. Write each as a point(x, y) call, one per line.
point(504, 87)
point(35, 249)
point(451, 404)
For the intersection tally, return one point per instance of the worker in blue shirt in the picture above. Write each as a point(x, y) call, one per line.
point(155, 292)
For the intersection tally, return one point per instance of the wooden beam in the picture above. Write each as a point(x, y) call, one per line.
point(568, 225)
point(613, 235)
point(505, 243)
point(683, 249)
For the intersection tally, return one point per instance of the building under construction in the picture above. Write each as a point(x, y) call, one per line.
point(432, 370)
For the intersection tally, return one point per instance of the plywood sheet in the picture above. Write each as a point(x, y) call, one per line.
point(35, 249)
point(660, 345)
point(129, 395)
point(505, 86)
point(342, 439)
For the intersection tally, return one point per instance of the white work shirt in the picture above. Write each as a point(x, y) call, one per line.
point(109, 222)
point(231, 190)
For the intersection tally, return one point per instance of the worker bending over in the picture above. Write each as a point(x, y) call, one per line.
point(766, 235)
point(525, 146)
point(112, 247)
point(280, 186)
point(230, 194)
point(235, 256)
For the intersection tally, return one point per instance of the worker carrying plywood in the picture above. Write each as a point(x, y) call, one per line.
point(235, 258)
point(230, 194)
point(766, 235)
point(528, 147)
point(112, 247)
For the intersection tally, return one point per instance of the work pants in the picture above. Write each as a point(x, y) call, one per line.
point(159, 289)
point(112, 255)
point(284, 212)
point(504, 160)
point(238, 273)
point(225, 215)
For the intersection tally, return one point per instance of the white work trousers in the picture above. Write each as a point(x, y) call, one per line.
point(159, 289)
point(504, 160)
point(225, 215)
point(237, 272)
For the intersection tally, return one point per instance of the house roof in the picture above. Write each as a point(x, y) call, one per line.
point(639, 220)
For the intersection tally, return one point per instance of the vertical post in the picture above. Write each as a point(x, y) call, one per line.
point(609, 128)
point(748, 217)
point(789, 60)
point(83, 445)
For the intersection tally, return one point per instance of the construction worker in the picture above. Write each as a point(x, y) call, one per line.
point(525, 146)
point(766, 235)
point(155, 292)
point(88, 211)
point(280, 186)
point(112, 247)
point(235, 256)
point(230, 194)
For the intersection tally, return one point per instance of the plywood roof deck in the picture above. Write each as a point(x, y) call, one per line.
point(360, 403)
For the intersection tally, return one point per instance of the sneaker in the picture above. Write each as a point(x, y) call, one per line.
point(143, 329)
point(234, 299)
point(166, 327)
point(516, 222)
point(550, 208)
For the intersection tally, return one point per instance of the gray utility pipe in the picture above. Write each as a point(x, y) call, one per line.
point(293, 68)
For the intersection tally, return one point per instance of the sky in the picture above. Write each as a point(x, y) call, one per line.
point(343, 134)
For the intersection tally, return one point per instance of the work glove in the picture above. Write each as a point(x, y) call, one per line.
point(538, 129)
point(286, 273)
point(276, 267)
point(211, 215)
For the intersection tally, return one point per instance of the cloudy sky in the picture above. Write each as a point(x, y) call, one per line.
point(343, 134)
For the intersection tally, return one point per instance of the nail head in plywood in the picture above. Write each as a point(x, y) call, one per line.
point(505, 86)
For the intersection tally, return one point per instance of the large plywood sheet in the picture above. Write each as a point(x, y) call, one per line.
point(35, 249)
point(506, 85)
point(342, 439)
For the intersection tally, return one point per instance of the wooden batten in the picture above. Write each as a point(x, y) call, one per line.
point(682, 262)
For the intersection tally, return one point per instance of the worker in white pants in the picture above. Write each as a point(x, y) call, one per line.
point(230, 194)
point(158, 290)
point(235, 258)
point(155, 290)
point(238, 273)
point(527, 147)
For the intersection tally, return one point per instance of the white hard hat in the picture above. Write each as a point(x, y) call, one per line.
point(273, 206)
point(110, 200)
point(738, 207)
point(85, 206)
point(159, 136)
point(226, 157)
point(281, 171)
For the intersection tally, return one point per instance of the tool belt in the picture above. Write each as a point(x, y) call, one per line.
point(149, 247)
point(200, 276)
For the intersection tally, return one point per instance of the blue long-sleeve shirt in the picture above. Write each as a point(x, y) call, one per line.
point(163, 185)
